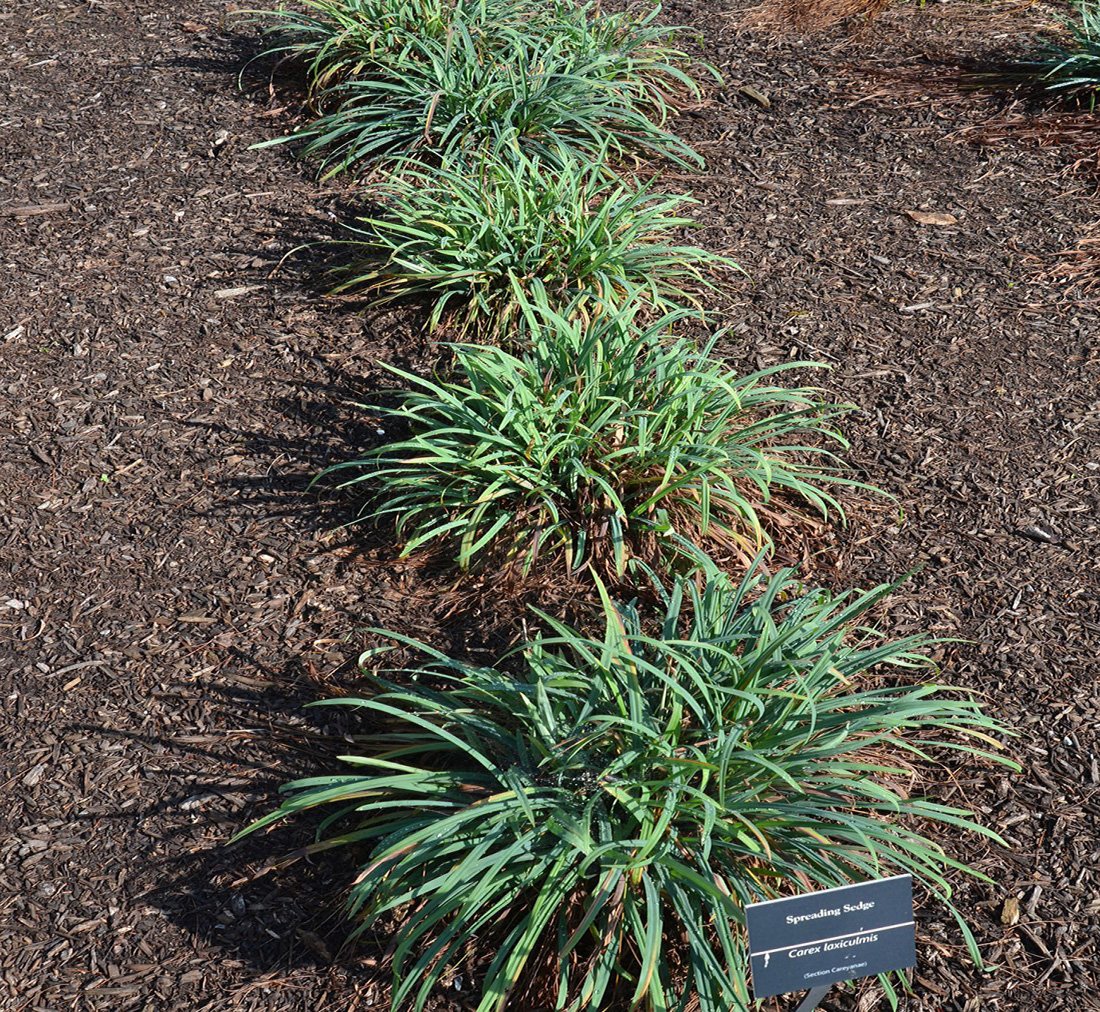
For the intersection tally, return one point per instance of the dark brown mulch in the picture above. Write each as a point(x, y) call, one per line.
point(173, 590)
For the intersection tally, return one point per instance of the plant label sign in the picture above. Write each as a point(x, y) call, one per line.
point(819, 938)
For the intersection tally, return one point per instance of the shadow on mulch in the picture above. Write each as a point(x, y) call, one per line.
point(244, 56)
point(310, 246)
point(258, 899)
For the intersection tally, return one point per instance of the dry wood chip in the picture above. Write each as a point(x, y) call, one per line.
point(755, 95)
point(932, 217)
point(235, 293)
point(33, 778)
point(30, 210)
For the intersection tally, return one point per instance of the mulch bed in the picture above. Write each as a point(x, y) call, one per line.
point(174, 591)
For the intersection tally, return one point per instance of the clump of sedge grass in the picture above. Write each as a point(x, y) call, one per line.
point(478, 240)
point(593, 814)
point(603, 440)
point(1071, 69)
point(491, 76)
point(1066, 67)
point(338, 40)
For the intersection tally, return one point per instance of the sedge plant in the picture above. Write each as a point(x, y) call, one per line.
point(496, 75)
point(1066, 66)
point(477, 240)
point(605, 440)
point(338, 40)
point(594, 814)
point(1070, 68)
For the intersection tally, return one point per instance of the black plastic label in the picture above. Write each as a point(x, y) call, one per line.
point(836, 934)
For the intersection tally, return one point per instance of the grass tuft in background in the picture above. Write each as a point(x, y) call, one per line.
point(393, 78)
point(478, 240)
point(1069, 66)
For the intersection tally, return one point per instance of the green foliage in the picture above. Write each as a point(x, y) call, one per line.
point(1073, 70)
point(600, 442)
point(1067, 67)
point(341, 39)
point(477, 240)
point(401, 77)
point(608, 806)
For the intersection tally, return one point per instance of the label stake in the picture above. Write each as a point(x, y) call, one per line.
point(813, 999)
